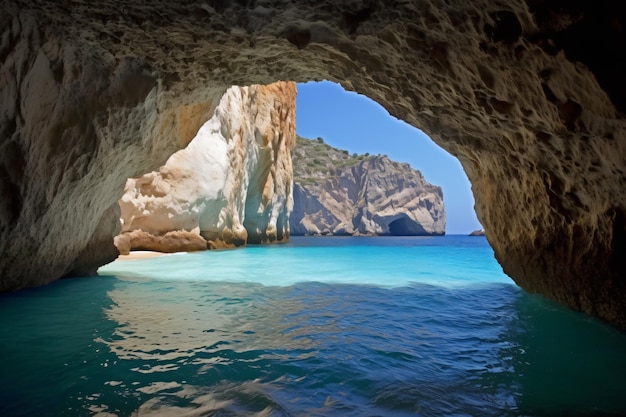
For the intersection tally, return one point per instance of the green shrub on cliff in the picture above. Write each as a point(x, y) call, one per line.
point(315, 161)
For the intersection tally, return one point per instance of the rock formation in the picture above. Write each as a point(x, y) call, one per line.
point(529, 95)
point(230, 185)
point(479, 232)
point(338, 194)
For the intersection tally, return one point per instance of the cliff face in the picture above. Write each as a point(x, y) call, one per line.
point(230, 185)
point(529, 95)
point(338, 194)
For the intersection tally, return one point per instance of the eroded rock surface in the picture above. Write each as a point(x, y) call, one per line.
point(232, 184)
point(336, 193)
point(529, 95)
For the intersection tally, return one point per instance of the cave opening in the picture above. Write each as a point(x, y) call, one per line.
point(361, 128)
point(346, 144)
point(405, 227)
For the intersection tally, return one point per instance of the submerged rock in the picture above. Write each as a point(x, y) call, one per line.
point(338, 194)
point(230, 185)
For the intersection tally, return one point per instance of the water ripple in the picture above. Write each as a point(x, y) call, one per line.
point(141, 346)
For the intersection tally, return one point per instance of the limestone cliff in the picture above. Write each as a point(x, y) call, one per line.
point(338, 194)
point(529, 95)
point(230, 185)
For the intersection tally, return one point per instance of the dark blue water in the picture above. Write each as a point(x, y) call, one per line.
point(318, 327)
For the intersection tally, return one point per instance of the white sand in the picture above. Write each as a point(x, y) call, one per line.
point(142, 254)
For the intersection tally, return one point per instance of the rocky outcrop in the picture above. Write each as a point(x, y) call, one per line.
point(230, 185)
point(529, 95)
point(338, 194)
point(479, 232)
point(174, 241)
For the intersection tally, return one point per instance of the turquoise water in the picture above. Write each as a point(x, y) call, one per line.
point(317, 327)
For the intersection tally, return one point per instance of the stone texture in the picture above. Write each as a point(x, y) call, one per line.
point(173, 241)
point(232, 184)
point(529, 95)
point(339, 194)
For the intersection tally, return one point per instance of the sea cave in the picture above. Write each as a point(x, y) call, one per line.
point(95, 93)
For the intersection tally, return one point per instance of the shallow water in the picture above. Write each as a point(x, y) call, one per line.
point(319, 326)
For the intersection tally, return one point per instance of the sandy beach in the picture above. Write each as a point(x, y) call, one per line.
point(142, 254)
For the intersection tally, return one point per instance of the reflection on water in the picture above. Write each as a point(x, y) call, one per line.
point(346, 350)
point(311, 348)
point(145, 347)
point(183, 322)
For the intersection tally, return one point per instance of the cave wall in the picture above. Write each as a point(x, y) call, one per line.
point(528, 95)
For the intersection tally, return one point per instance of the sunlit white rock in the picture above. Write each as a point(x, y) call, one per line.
point(232, 184)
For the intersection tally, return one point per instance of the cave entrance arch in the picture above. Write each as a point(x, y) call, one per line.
point(93, 95)
point(196, 201)
point(404, 227)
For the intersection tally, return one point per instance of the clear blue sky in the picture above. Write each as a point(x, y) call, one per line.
point(351, 121)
